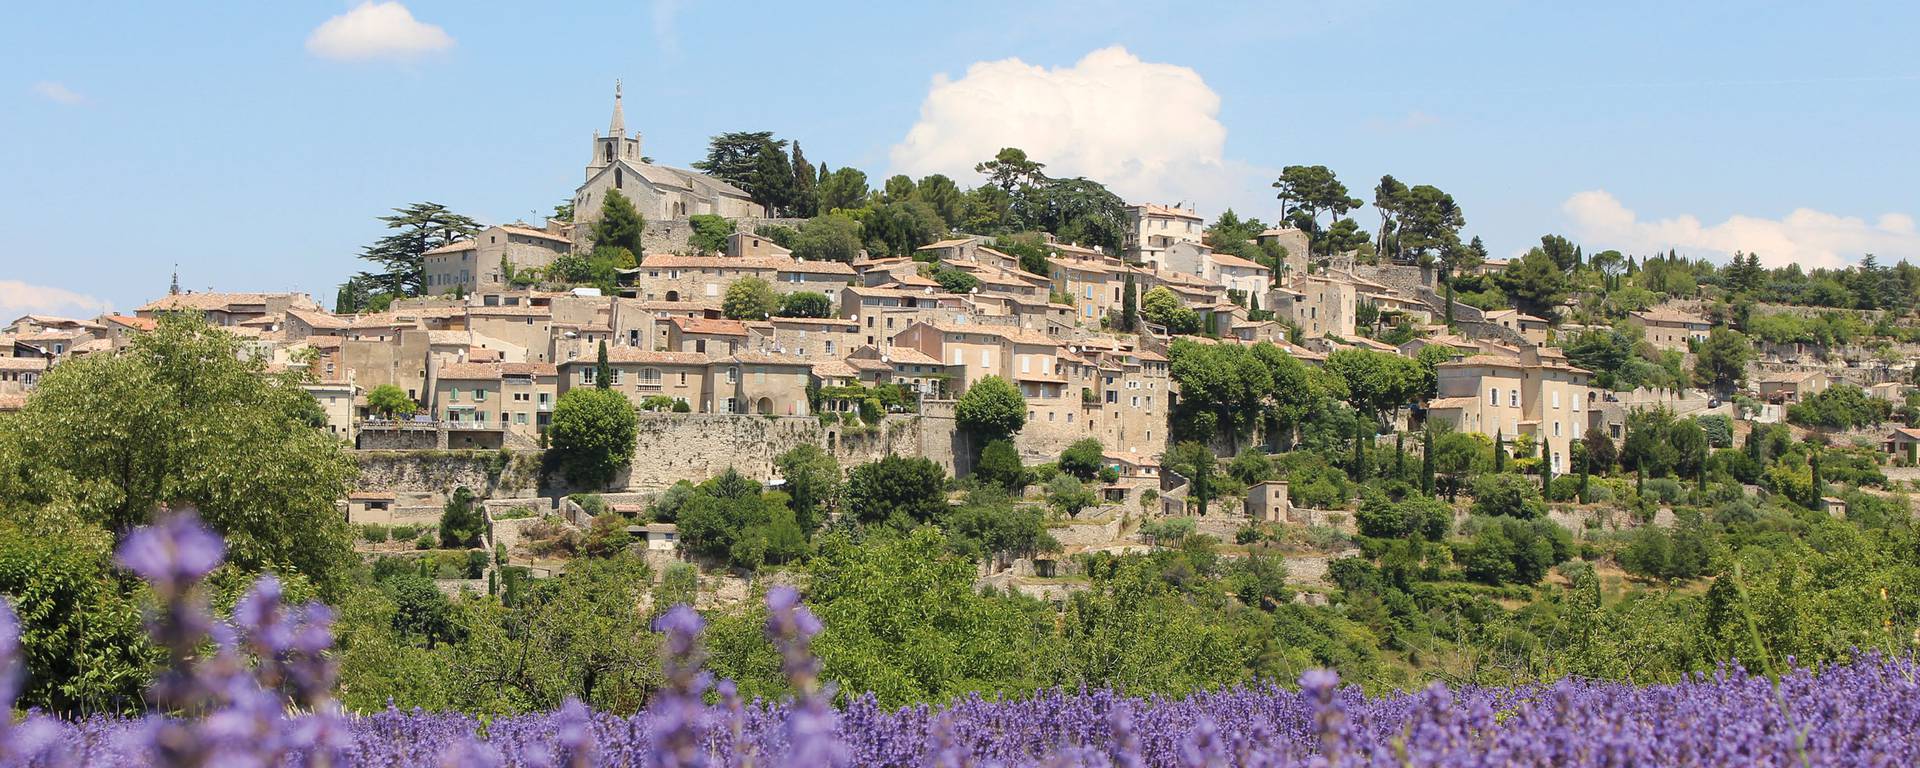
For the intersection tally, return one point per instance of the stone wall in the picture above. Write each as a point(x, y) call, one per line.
point(695, 446)
point(672, 235)
point(489, 474)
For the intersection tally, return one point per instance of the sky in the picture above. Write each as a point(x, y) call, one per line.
point(253, 144)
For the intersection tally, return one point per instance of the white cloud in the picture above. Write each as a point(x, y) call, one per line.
point(18, 298)
point(375, 31)
point(1805, 236)
point(1150, 132)
point(58, 93)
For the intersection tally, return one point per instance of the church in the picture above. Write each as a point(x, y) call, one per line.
point(658, 192)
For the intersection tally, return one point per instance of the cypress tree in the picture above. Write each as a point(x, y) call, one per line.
point(1399, 454)
point(1449, 303)
point(1359, 453)
point(1819, 487)
point(1499, 452)
point(1546, 473)
point(1426, 463)
point(602, 370)
point(1129, 306)
point(1585, 460)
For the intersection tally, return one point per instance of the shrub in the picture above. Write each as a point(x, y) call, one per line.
point(1564, 488)
point(374, 532)
point(405, 532)
point(1000, 464)
point(1507, 495)
point(425, 542)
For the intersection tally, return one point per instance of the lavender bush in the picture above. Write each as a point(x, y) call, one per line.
point(254, 691)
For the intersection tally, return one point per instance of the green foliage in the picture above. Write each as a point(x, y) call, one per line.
point(710, 232)
point(1251, 467)
point(1162, 307)
point(1377, 382)
point(728, 518)
point(184, 418)
point(898, 490)
point(955, 280)
point(1718, 429)
point(1196, 462)
point(813, 483)
point(1841, 406)
point(1722, 361)
point(1084, 458)
point(1067, 494)
point(462, 522)
point(806, 304)
point(391, 401)
point(402, 255)
point(1413, 516)
point(592, 435)
point(750, 298)
point(1506, 550)
point(1000, 465)
point(989, 523)
point(829, 237)
point(991, 409)
point(620, 225)
point(1507, 495)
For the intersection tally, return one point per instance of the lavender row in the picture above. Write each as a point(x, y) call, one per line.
point(261, 698)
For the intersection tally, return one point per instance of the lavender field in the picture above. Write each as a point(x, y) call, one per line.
point(262, 698)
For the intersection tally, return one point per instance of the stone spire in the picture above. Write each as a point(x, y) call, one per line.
point(619, 126)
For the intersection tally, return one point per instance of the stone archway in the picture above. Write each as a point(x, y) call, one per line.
point(673, 295)
point(764, 406)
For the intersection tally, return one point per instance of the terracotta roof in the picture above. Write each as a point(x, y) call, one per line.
point(1791, 377)
point(1662, 315)
point(910, 356)
point(626, 354)
point(1449, 402)
point(513, 310)
point(834, 368)
point(23, 363)
point(945, 244)
point(817, 267)
point(1907, 432)
point(207, 301)
point(1150, 355)
point(540, 233)
point(135, 323)
point(766, 358)
point(1230, 260)
point(325, 320)
point(453, 247)
point(371, 496)
point(469, 371)
point(834, 321)
point(1493, 360)
point(444, 338)
point(675, 261)
point(1015, 335)
point(12, 402)
point(864, 364)
point(323, 342)
point(531, 369)
point(709, 327)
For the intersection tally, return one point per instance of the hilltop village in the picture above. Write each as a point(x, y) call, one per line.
point(794, 353)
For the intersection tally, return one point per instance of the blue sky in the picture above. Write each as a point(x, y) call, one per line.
point(253, 147)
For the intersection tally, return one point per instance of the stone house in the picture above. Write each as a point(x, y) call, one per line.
point(337, 401)
point(1904, 442)
point(642, 373)
point(1027, 359)
point(515, 399)
point(1319, 305)
point(671, 277)
point(760, 383)
point(1151, 229)
point(1791, 386)
point(1267, 502)
point(21, 374)
point(749, 245)
point(1533, 329)
point(823, 277)
point(709, 337)
point(473, 264)
point(525, 327)
point(808, 338)
point(883, 312)
point(1096, 287)
point(1668, 329)
point(1536, 393)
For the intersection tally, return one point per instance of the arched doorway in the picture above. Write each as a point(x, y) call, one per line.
point(673, 295)
point(764, 406)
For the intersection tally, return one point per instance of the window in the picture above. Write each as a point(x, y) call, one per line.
point(683, 378)
point(986, 359)
point(699, 345)
point(649, 377)
point(759, 375)
point(733, 377)
point(453, 396)
point(1556, 398)
point(1493, 396)
point(1556, 429)
point(727, 405)
point(480, 395)
point(1513, 397)
point(616, 377)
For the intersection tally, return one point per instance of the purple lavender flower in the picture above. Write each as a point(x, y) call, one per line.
point(811, 726)
point(676, 717)
point(173, 553)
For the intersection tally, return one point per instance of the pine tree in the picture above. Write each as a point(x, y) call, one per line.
point(402, 255)
point(602, 370)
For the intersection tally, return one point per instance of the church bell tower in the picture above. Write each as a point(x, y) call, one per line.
point(616, 145)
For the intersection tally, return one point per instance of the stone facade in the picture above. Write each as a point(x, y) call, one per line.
point(686, 446)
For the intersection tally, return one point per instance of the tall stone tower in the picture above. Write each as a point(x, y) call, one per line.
point(616, 145)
